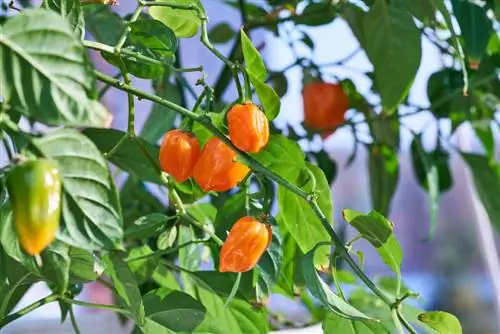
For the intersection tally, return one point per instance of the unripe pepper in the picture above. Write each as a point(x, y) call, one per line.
point(248, 127)
point(325, 105)
point(245, 244)
point(179, 152)
point(35, 193)
point(217, 168)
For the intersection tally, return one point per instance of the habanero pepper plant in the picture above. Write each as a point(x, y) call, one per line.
point(241, 193)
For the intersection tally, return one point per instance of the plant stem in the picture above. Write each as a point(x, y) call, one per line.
point(11, 317)
point(165, 252)
point(73, 320)
point(397, 322)
point(405, 323)
point(7, 298)
point(96, 306)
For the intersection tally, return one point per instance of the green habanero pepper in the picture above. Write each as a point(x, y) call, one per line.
point(34, 188)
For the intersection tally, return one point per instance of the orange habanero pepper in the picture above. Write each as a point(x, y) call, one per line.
point(217, 170)
point(245, 244)
point(179, 153)
point(325, 105)
point(248, 127)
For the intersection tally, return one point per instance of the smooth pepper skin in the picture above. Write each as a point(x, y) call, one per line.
point(179, 152)
point(217, 168)
point(35, 193)
point(244, 246)
point(248, 127)
point(325, 105)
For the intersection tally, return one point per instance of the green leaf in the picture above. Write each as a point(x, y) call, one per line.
point(202, 133)
point(422, 160)
point(232, 210)
point(185, 23)
point(143, 269)
point(327, 165)
point(221, 33)
point(154, 35)
point(300, 219)
point(105, 25)
point(390, 34)
point(269, 265)
point(443, 322)
point(320, 290)
point(317, 14)
point(222, 283)
point(129, 157)
point(56, 265)
point(174, 310)
point(282, 156)
point(71, 11)
point(335, 324)
point(475, 26)
point(379, 232)
point(383, 166)
point(54, 84)
point(125, 286)
point(254, 64)
point(146, 226)
point(85, 266)
point(291, 273)
point(487, 181)
point(91, 213)
point(270, 100)
point(161, 119)
point(423, 10)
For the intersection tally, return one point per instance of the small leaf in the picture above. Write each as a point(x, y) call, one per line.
point(327, 165)
point(221, 33)
point(125, 286)
point(443, 322)
point(475, 26)
point(202, 133)
point(270, 265)
point(390, 34)
point(379, 232)
point(185, 23)
point(129, 156)
point(71, 11)
point(280, 83)
point(140, 68)
point(487, 181)
point(300, 219)
point(91, 213)
point(167, 238)
point(56, 265)
point(154, 35)
point(175, 310)
point(254, 63)
point(105, 25)
point(270, 100)
point(282, 156)
point(55, 84)
point(85, 266)
point(317, 14)
point(146, 226)
point(322, 292)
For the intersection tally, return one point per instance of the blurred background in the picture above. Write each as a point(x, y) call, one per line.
point(457, 271)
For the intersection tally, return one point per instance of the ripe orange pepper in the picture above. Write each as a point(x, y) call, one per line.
point(325, 105)
point(248, 127)
point(179, 153)
point(217, 168)
point(245, 244)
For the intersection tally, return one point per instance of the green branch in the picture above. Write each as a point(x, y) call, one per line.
point(14, 316)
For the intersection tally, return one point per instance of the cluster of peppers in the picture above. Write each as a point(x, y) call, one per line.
point(35, 186)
